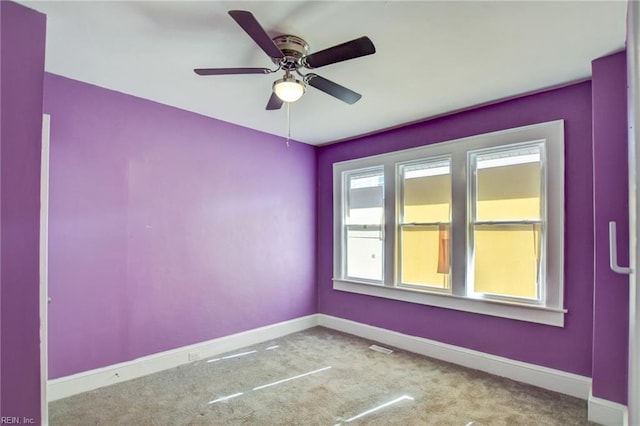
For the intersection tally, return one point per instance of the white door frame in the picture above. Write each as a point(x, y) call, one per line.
point(633, 115)
point(44, 263)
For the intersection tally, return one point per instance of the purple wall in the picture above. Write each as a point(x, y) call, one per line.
point(568, 348)
point(168, 228)
point(611, 300)
point(23, 44)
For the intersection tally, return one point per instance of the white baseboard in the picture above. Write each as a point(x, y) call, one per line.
point(93, 379)
point(547, 378)
point(606, 413)
point(600, 411)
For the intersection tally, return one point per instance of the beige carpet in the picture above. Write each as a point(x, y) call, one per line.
point(319, 377)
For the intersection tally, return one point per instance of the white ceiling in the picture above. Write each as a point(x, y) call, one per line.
point(432, 57)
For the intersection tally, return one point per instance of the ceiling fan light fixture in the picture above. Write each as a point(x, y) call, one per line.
point(291, 53)
point(288, 89)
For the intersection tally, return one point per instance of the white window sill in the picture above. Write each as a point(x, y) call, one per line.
point(536, 314)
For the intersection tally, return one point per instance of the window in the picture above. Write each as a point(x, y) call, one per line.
point(473, 224)
point(507, 216)
point(363, 220)
point(423, 224)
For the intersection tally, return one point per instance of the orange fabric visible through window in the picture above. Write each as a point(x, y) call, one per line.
point(443, 249)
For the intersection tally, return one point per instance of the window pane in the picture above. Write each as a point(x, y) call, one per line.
point(508, 185)
point(364, 202)
point(365, 198)
point(425, 256)
point(506, 260)
point(426, 200)
point(364, 254)
point(427, 192)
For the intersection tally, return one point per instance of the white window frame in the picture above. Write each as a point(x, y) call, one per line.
point(472, 220)
point(401, 223)
point(346, 227)
point(551, 312)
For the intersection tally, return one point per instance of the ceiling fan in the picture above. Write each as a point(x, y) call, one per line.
point(291, 53)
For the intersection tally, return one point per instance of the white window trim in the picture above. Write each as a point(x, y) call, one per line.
point(399, 176)
point(552, 133)
point(471, 212)
point(379, 226)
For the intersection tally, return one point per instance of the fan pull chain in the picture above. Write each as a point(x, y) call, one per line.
point(288, 122)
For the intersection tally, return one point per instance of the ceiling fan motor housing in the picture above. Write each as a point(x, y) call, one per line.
point(290, 53)
point(293, 48)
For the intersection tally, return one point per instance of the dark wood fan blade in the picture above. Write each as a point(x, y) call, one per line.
point(274, 102)
point(226, 71)
point(333, 89)
point(251, 26)
point(352, 49)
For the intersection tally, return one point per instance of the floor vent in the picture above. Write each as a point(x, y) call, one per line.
point(380, 349)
